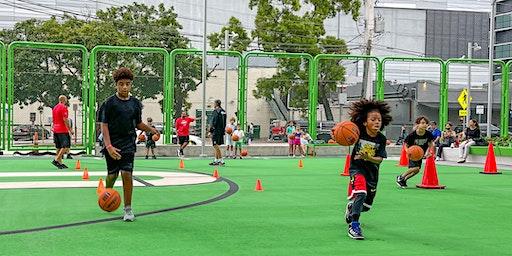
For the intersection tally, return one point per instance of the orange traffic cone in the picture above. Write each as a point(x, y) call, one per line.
point(403, 157)
point(430, 180)
point(101, 187)
point(300, 163)
point(258, 187)
point(85, 176)
point(182, 164)
point(77, 165)
point(347, 166)
point(490, 162)
point(216, 174)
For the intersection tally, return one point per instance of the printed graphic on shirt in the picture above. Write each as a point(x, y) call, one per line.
point(368, 147)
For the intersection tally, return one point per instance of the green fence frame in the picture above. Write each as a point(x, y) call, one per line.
point(92, 83)
point(242, 109)
point(504, 88)
point(10, 88)
point(3, 96)
point(443, 93)
point(313, 89)
point(172, 72)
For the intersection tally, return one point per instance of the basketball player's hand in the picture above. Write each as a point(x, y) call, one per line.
point(427, 155)
point(71, 132)
point(114, 152)
point(365, 155)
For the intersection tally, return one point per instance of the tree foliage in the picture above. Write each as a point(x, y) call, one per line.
point(298, 26)
point(238, 41)
point(42, 75)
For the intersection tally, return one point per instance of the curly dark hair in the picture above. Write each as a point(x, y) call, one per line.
point(359, 112)
point(122, 73)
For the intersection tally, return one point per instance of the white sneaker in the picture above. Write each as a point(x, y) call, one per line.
point(128, 214)
point(438, 159)
point(178, 152)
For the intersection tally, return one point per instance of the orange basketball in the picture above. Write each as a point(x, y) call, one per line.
point(155, 137)
point(244, 152)
point(388, 142)
point(346, 133)
point(291, 136)
point(229, 130)
point(109, 200)
point(142, 137)
point(415, 153)
point(235, 137)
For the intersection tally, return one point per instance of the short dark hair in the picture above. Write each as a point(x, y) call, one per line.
point(217, 103)
point(122, 73)
point(433, 122)
point(418, 120)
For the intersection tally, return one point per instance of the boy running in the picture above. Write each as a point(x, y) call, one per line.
point(423, 138)
point(371, 117)
point(119, 115)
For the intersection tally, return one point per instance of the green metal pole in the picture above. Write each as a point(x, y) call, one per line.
point(92, 84)
point(313, 97)
point(10, 84)
point(380, 80)
point(443, 97)
point(505, 102)
point(3, 96)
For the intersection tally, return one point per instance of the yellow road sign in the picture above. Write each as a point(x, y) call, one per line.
point(463, 112)
point(463, 101)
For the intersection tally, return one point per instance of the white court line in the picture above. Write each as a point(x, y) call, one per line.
point(166, 179)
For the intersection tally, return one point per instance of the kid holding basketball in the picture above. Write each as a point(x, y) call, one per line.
point(238, 144)
point(370, 149)
point(119, 115)
point(423, 138)
point(229, 141)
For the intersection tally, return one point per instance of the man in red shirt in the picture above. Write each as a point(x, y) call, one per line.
point(183, 131)
point(61, 131)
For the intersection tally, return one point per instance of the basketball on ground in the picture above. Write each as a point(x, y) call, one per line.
point(109, 200)
point(244, 152)
point(415, 153)
point(346, 133)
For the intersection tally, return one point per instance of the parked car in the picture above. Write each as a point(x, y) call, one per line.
point(26, 132)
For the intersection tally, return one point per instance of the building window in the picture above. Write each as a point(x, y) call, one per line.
point(503, 51)
point(503, 21)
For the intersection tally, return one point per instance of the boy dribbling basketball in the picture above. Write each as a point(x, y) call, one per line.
point(120, 115)
point(369, 150)
point(423, 138)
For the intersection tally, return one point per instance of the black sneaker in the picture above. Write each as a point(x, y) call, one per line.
point(213, 163)
point(147, 157)
point(154, 157)
point(355, 232)
point(348, 208)
point(64, 166)
point(57, 164)
point(400, 182)
point(69, 157)
point(221, 163)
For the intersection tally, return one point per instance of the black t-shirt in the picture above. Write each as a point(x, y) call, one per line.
point(472, 134)
point(377, 145)
point(122, 117)
point(218, 124)
point(421, 140)
point(149, 134)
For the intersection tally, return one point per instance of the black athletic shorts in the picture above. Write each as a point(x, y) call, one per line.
point(150, 144)
point(123, 164)
point(183, 139)
point(218, 139)
point(62, 140)
point(413, 164)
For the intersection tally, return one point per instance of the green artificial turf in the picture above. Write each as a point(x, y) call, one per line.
point(300, 212)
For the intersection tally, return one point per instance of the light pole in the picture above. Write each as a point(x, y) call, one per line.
point(491, 69)
point(471, 47)
point(203, 75)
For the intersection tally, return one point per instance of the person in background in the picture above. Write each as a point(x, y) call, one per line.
point(469, 138)
point(290, 130)
point(229, 140)
point(238, 144)
point(446, 140)
point(61, 131)
point(217, 130)
point(251, 133)
point(183, 132)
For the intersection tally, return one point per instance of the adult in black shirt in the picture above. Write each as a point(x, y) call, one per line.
point(217, 129)
point(423, 138)
point(120, 115)
point(469, 137)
